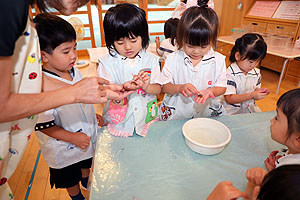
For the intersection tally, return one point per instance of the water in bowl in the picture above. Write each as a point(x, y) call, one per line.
point(204, 136)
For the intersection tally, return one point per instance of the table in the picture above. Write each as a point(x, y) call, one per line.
point(288, 53)
point(161, 166)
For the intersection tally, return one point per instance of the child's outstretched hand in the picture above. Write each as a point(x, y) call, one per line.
point(203, 95)
point(100, 120)
point(188, 90)
point(270, 161)
point(256, 175)
point(142, 79)
point(157, 41)
point(260, 93)
point(226, 191)
point(130, 86)
point(80, 139)
point(116, 92)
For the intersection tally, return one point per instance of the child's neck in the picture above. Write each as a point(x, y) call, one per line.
point(196, 62)
point(65, 74)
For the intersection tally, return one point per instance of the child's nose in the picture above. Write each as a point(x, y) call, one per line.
point(127, 45)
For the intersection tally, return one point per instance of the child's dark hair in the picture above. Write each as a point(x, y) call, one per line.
point(170, 28)
point(125, 20)
point(198, 26)
point(281, 183)
point(289, 103)
point(53, 31)
point(250, 46)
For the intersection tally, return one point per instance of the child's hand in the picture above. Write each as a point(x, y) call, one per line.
point(264, 90)
point(130, 86)
point(188, 90)
point(226, 191)
point(157, 41)
point(256, 175)
point(100, 120)
point(260, 93)
point(270, 161)
point(80, 139)
point(142, 79)
point(203, 95)
point(116, 92)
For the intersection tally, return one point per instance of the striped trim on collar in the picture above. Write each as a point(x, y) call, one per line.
point(71, 71)
point(235, 70)
point(138, 56)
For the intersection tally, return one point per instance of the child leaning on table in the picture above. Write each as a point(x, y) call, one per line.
point(130, 65)
point(285, 129)
point(66, 134)
point(281, 183)
point(195, 74)
point(243, 78)
point(168, 45)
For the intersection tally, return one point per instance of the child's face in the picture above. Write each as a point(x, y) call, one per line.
point(63, 57)
point(195, 52)
point(128, 47)
point(279, 127)
point(246, 65)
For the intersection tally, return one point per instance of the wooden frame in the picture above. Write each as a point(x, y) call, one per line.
point(142, 4)
point(88, 12)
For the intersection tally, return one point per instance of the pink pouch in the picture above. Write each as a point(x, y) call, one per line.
point(117, 110)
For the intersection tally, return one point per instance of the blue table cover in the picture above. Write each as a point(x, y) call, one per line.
point(162, 166)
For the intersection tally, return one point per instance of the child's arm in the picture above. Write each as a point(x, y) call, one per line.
point(79, 139)
point(257, 94)
point(226, 191)
point(186, 90)
point(255, 177)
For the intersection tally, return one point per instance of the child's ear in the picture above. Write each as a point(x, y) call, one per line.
point(44, 56)
point(237, 56)
point(297, 140)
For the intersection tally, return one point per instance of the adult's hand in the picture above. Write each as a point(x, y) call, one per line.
point(90, 90)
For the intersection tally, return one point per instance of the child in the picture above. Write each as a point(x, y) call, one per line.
point(127, 37)
point(168, 45)
point(67, 134)
point(285, 129)
point(244, 79)
point(281, 183)
point(195, 72)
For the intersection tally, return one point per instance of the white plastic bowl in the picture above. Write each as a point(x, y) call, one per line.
point(206, 136)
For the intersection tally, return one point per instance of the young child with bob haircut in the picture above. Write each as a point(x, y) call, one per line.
point(243, 76)
point(168, 45)
point(195, 74)
point(130, 65)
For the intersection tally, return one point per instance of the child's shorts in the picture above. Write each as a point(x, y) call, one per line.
point(68, 176)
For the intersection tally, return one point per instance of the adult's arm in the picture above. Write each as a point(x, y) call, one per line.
point(16, 106)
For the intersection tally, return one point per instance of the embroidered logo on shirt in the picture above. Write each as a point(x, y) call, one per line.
point(166, 111)
point(209, 82)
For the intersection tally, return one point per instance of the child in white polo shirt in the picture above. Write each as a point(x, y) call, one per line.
point(127, 38)
point(243, 78)
point(194, 75)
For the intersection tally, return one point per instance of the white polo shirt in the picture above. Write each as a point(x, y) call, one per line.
point(209, 72)
point(239, 83)
point(141, 108)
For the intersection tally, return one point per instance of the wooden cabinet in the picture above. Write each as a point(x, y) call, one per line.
point(283, 27)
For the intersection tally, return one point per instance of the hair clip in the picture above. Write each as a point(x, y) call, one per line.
point(202, 3)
